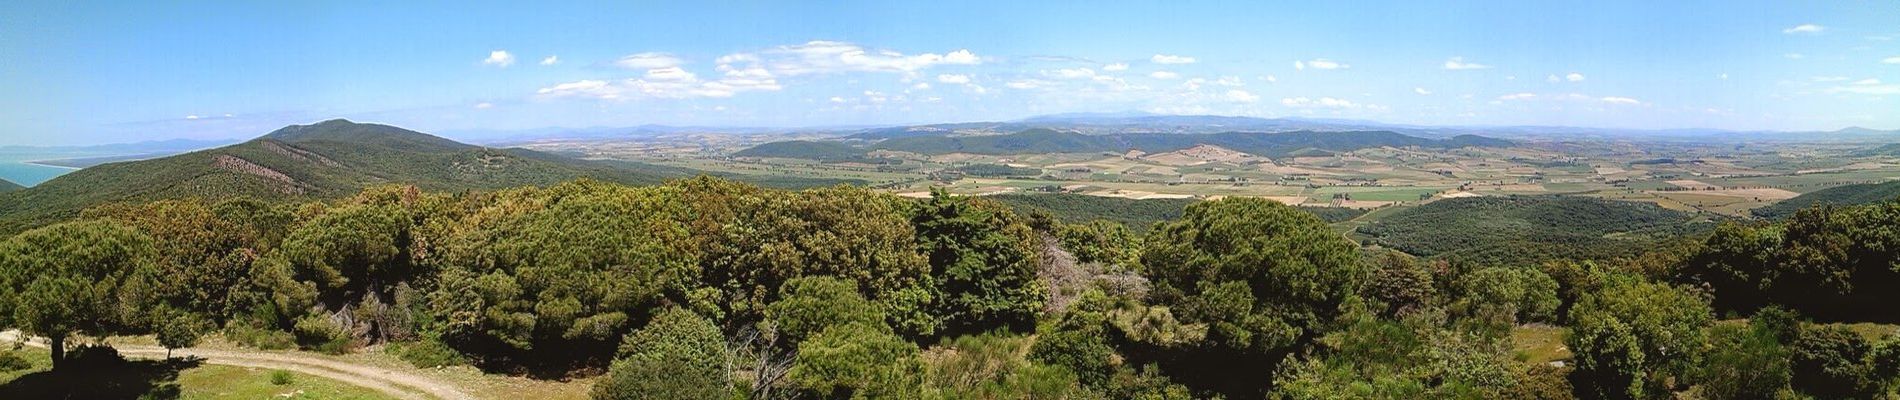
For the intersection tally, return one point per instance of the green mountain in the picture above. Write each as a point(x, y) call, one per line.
point(324, 160)
point(1137, 215)
point(1281, 144)
point(1865, 193)
point(8, 186)
point(1528, 229)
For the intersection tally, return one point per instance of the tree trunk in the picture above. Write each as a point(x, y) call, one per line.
point(57, 343)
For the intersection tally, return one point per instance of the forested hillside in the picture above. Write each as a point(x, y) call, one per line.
point(1530, 229)
point(1856, 194)
point(708, 288)
point(813, 150)
point(8, 186)
point(1135, 214)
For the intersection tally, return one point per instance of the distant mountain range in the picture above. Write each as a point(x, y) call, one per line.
point(1143, 122)
point(1043, 140)
point(155, 146)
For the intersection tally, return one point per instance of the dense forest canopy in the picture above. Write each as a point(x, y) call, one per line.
point(707, 287)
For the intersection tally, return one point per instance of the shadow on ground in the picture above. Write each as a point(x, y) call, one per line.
point(100, 373)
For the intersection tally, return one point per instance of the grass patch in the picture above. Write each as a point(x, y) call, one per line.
point(1539, 344)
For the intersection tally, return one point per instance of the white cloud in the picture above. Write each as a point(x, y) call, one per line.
point(1241, 96)
point(1804, 29)
point(1026, 84)
point(191, 117)
point(1271, 79)
point(1518, 96)
point(484, 105)
point(836, 99)
point(1868, 81)
point(1070, 73)
point(1458, 63)
point(1887, 89)
point(1320, 63)
point(1723, 76)
point(1421, 91)
point(1553, 78)
point(1164, 75)
point(921, 86)
point(1574, 77)
point(1115, 67)
point(551, 60)
point(1171, 59)
point(1230, 81)
point(1323, 102)
point(1828, 78)
point(499, 58)
point(1194, 84)
point(824, 57)
point(1621, 100)
point(1794, 56)
point(585, 88)
point(959, 79)
point(962, 57)
point(665, 82)
point(648, 60)
point(1891, 60)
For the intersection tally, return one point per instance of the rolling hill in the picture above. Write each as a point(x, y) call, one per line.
point(8, 186)
point(1137, 215)
point(1030, 141)
point(1528, 229)
point(1865, 193)
point(804, 149)
point(301, 162)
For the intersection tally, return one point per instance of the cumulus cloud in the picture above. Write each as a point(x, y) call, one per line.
point(1421, 91)
point(1320, 63)
point(1230, 81)
point(959, 79)
point(499, 58)
point(1518, 96)
point(1574, 77)
point(1171, 59)
point(1241, 96)
point(1620, 100)
point(648, 60)
point(1164, 75)
point(1026, 84)
point(551, 60)
point(1323, 102)
point(921, 86)
point(191, 117)
point(1891, 60)
point(1115, 67)
point(825, 57)
point(484, 105)
point(1458, 63)
point(1070, 73)
point(1809, 29)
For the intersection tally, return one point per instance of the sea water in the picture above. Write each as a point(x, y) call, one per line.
point(14, 167)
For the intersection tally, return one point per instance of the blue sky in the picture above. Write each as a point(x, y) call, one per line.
point(125, 71)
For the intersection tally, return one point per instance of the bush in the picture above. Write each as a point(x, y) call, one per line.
point(266, 339)
point(13, 362)
point(428, 353)
point(314, 332)
point(1827, 363)
point(93, 357)
point(1744, 362)
point(282, 377)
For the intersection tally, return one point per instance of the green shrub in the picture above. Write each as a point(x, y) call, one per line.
point(282, 377)
point(314, 332)
point(266, 339)
point(428, 353)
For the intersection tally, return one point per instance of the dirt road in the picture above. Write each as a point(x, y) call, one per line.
point(401, 384)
